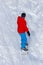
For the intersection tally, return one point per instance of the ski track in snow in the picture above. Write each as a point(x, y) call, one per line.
point(10, 53)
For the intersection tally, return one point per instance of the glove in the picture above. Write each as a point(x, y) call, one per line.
point(28, 33)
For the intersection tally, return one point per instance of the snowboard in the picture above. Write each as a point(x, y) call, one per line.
point(24, 52)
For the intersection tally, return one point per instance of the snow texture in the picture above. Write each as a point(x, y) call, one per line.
point(10, 39)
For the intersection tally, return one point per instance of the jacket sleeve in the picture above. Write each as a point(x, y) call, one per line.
point(26, 28)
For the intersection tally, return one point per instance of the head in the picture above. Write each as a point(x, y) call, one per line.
point(23, 15)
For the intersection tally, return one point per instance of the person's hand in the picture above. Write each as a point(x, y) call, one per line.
point(28, 33)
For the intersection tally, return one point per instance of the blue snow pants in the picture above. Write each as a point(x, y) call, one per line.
point(23, 40)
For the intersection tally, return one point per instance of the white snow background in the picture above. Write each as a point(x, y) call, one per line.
point(10, 39)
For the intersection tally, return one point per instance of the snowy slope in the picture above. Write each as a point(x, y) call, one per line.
point(10, 39)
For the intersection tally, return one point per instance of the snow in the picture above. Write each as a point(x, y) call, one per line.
point(10, 39)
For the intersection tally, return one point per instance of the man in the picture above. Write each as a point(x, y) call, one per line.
point(22, 29)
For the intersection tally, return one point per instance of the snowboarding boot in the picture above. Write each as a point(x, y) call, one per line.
point(26, 44)
point(25, 49)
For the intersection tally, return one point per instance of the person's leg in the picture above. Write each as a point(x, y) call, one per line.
point(23, 40)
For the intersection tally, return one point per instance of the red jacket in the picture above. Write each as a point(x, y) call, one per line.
point(21, 25)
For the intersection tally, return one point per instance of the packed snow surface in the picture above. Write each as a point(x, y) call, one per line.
point(9, 37)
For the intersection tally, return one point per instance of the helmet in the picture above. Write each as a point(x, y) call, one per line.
point(23, 15)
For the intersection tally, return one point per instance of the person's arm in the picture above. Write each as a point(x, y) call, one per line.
point(27, 29)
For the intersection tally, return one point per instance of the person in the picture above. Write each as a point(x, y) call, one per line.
point(22, 30)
